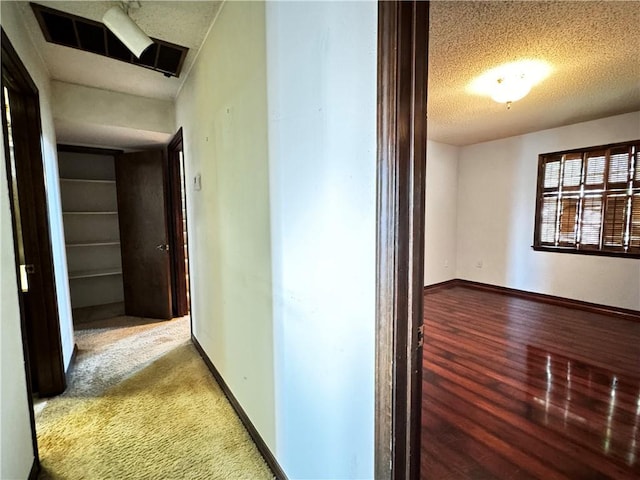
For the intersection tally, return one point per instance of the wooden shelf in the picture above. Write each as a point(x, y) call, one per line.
point(92, 244)
point(83, 180)
point(89, 213)
point(94, 273)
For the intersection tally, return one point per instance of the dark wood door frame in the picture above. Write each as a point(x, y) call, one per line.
point(39, 306)
point(402, 130)
point(175, 188)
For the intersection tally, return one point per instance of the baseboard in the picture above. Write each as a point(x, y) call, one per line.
point(74, 354)
point(255, 436)
point(441, 285)
point(35, 469)
point(97, 312)
point(622, 313)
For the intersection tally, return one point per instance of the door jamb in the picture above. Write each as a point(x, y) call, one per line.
point(180, 289)
point(49, 359)
point(402, 90)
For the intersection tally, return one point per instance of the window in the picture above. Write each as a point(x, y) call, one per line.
point(588, 201)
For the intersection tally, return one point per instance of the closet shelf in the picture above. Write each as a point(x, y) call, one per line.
point(83, 180)
point(92, 244)
point(89, 213)
point(94, 273)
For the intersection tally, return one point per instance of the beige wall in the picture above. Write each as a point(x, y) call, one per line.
point(93, 116)
point(223, 110)
point(103, 107)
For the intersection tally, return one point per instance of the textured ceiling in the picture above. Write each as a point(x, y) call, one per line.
point(593, 49)
point(183, 22)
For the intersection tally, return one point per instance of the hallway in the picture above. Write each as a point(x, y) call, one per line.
point(136, 406)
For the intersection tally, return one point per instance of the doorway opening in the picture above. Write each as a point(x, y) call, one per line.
point(32, 242)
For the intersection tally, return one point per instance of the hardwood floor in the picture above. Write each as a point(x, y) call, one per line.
point(516, 389)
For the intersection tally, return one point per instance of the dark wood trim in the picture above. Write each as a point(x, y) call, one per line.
point(35, 469)
point(275, 467)
point(401, 132)
point(600, 253)
point(175, 219)
point(92, 150)
point(39, 306)
point(624, 313)
point(441, 285)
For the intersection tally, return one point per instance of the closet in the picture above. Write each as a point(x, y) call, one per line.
point(92, 235)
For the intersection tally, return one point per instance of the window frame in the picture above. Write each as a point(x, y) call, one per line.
point(591, 190)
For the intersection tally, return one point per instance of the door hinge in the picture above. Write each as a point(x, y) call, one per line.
point(162, 247)
point(420, 336)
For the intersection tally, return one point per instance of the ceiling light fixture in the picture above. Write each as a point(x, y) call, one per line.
point(118, 21)
point(510, 82)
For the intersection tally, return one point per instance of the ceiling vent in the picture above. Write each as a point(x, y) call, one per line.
point(76, 32)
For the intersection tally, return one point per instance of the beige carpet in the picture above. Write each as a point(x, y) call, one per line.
point(142, 404)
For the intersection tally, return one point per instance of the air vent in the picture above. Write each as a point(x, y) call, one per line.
point(76, 32)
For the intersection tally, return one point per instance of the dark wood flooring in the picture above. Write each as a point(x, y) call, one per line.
point(517, 389)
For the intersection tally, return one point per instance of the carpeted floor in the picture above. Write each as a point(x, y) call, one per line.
point(142, 404)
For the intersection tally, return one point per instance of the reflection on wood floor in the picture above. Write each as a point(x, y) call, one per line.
point(516, 389)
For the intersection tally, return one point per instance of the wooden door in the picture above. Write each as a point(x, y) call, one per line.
point(178, 227)
point(140, 181)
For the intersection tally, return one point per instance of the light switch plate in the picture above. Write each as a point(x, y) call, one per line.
point(197, 182)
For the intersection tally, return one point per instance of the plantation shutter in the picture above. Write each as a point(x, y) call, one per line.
point(596, 162)
point(568, 214)
point(572, 174)
point(636, 177)
point(591, 224)
point(589, 200)
point(549, 217)
point(634, 231)
point(552, 173)
point(614, 222)
point(619, 167)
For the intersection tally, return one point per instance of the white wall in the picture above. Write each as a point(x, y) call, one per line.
point(496, 208)
point(16, 450)
point(16, 447)
point(321, 60)
point(441, 213)
point(223, 111)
